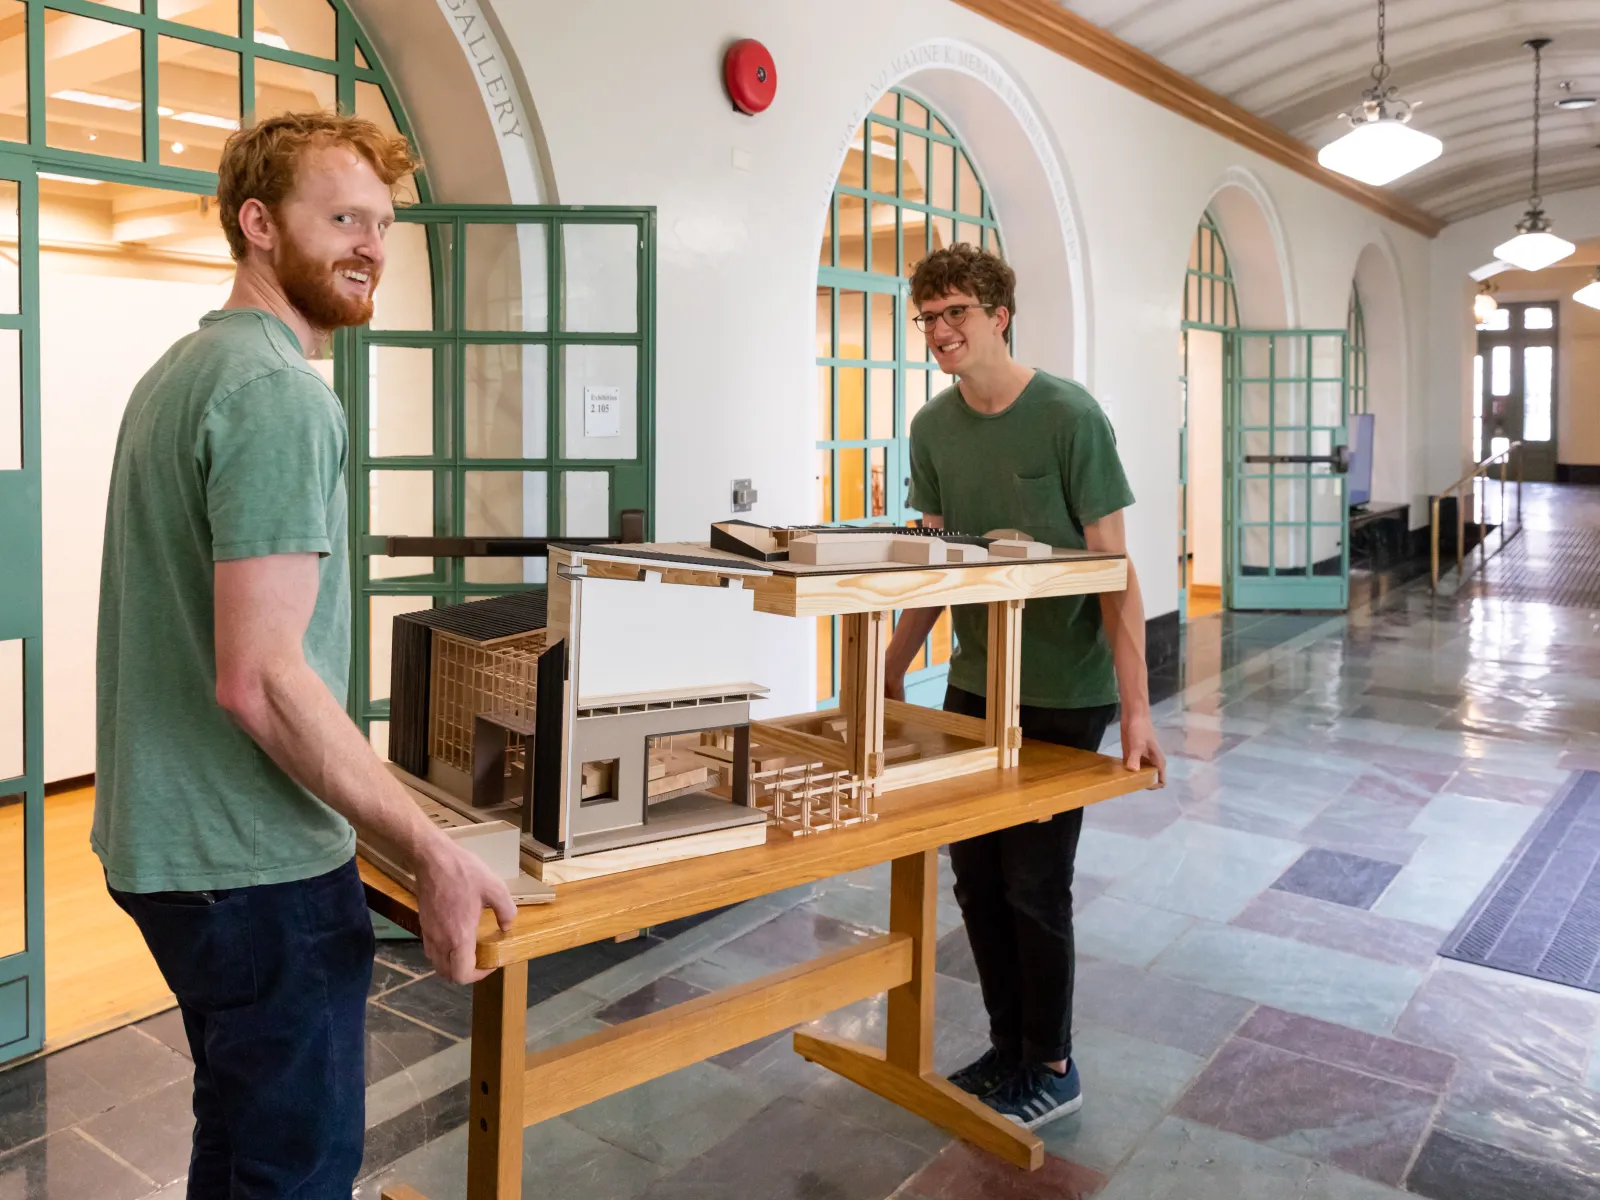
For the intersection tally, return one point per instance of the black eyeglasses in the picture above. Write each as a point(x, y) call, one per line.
point(955, 316)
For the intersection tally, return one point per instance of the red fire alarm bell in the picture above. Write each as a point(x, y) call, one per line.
point(750, 76)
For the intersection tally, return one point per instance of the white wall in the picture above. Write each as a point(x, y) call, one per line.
point(1446, 411)
point(631, 106)
point(129, 322)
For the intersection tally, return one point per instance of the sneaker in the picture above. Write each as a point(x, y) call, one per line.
point(981, 1078)
point(1035, 1094)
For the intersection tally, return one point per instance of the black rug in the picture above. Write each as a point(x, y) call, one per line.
point(1541, 914)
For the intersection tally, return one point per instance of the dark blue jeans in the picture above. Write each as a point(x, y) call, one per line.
point(1014, 887)
point(272, 982)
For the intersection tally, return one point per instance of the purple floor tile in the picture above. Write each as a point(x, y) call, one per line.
point(1340, 878)
point(1339, 1046)
point(1338, 927)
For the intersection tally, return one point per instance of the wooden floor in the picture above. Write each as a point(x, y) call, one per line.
point(97, 973)
point(1204, 600)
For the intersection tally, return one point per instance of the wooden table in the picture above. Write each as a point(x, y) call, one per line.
point(512, 1089)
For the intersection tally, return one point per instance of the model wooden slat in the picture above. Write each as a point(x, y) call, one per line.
point(601, 1064)
point(821, 595)
point(923, 771)
point(808, 746)
point(956, 724)
point(1004, 690)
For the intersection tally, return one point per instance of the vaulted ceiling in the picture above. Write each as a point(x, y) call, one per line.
point(1299, 63)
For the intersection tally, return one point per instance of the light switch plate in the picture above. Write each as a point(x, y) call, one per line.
point(744, 496)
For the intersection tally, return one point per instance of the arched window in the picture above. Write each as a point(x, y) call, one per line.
point(907, 188)
point(1210, 303)
point(1356, 348)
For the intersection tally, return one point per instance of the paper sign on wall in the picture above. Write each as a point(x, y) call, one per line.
point(602, 412)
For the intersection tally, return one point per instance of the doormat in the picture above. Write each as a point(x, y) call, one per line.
point(1540, 916)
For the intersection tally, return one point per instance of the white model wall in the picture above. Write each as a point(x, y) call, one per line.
point(629, 99)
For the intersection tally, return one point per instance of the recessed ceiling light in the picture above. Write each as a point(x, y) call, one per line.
point(208, 119)
point(96, 99)
point(1570, 102)
point(177, 147)
point(275, 40)
point(70, 178)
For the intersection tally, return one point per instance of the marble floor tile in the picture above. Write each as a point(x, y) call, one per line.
point(408, 956)
point(395, 1042)
point(426, 1122)
point(1435, 900)
point(774, 1156)
point(958, 1002)
point(167, 1028)
point(653, 997)
point(1155, 1008)
point(1206, 871)
point(386, 977)
point(1108, 855)
point(1493, 785)
point(1359, 1122)
point(953, 957)
point(434, 1002)
point(1402, 1062)
point(1127, 932)
point(1183, 1160)
point(1354, 825)
point(1491, 823)
point(1339, 878)
point(673, 1119)
point(1456, 1168)
point(67, 1166)
point(1343, 988)
point(152, 1135)
point(1139, 814)
point(1520, 1107)
point(1336, 927)
point(1129, 1084)
point(962, 1173)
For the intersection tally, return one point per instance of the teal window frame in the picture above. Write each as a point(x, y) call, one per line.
point(1356, 349)
point(938, 137)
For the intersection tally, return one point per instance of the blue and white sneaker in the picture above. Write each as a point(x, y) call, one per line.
point(983, 1077)
point(1035, 1095)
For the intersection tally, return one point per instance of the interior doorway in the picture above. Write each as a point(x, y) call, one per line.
point(126, 270)
point(1210, 316)
point(1515, 373)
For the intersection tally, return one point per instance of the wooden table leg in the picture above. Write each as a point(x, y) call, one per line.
point(903, 1071)
point(499, 1064)
point(861, 663)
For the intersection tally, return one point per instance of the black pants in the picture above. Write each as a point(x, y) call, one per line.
point(1015, 892)
point(272, 982)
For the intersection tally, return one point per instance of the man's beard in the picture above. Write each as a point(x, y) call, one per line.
point(312, 287)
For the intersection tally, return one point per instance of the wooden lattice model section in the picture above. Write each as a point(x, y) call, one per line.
point(470, 678)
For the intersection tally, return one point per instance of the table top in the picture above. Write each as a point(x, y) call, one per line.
point(1049, 779)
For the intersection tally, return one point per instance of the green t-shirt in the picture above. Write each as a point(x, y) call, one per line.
point(1048, 466)
point(231, 447)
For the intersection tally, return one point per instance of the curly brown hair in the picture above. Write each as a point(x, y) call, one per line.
point(259, 163)
point(964, 268)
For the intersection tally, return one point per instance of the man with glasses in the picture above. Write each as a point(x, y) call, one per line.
point(1010, 447)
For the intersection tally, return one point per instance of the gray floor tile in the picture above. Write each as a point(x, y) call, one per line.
point(66, 1166)
point(670, 1120)
point(1339, 878)
point(1127, 932)
point(1206, 871)
point(153, 1134)
point(1155, 1008)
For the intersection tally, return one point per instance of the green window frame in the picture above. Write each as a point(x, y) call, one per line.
point(630, 481)
point(919, 189)
point(1356, 348)
point(1210, 301)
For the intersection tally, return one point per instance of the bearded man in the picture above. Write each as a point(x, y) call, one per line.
point(228, 775)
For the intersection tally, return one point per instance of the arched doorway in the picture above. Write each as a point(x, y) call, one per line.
point(112, 119)
point(906, 189)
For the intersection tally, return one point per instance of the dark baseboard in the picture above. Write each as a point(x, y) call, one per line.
point(69, 785)
point(1163, 638)
point(1578, 473)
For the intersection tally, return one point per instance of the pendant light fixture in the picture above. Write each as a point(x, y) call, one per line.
point(1484, 305)
point(1535, 247)
point(1589, 293)
point(1381, 145)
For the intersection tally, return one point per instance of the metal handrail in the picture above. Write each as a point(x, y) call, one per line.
point(1479, 471)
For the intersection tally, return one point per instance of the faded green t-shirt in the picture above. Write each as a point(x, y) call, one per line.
point(231, 447)
point(1048, 466)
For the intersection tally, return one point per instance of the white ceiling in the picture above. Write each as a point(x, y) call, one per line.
point(1299, 63)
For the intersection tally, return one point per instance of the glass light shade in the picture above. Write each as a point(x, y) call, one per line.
point(1483, 306)
point(1589, 293)
point(1380, 151)
point(1534, 251)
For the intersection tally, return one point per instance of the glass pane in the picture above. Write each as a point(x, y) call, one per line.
point(405, 296)
point(882, 330)
point(882, 409)
point(877, 486)
point(10, 400)
point(400, 503)
point(507, 401)
point(199, 102)
point(91, 83)
point(824, 322)
point(303, 25)
point(824, 478)
point(916, 396)
point(400, 400)
point(13, 71)
point(1538, 318)
point(600, 269)
point(378, 735)
point(382, 566)
point(970, 196)
point(852, 325)
point(1289, 548)
point(1499, 320)
point(121, 5)
point(852, 404)
point(825, 403)
point(505, 504)
point(1500, 371)
point(361, 59)
point(10, 280)
point(852, 485)
point(942, 192)
point(913, 113)
point(1327, 404)
point(13, 876)
point(600, 409)
point(374, 106)
point(381, 612)
point(1327, 495)
point(12, 763)
point(888, 105)
point(1537, 363)
point(585, 503)
point(281, 88)
point(824, 657)
point(219, 16)
point(913, 167)
point(508, 278)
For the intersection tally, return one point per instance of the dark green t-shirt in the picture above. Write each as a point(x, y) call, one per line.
point(1048, 466)
point(231, 447)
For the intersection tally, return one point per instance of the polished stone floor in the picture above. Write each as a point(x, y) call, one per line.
point(1261, 1011)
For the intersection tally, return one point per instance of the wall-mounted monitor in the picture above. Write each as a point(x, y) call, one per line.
point(1359, 480)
